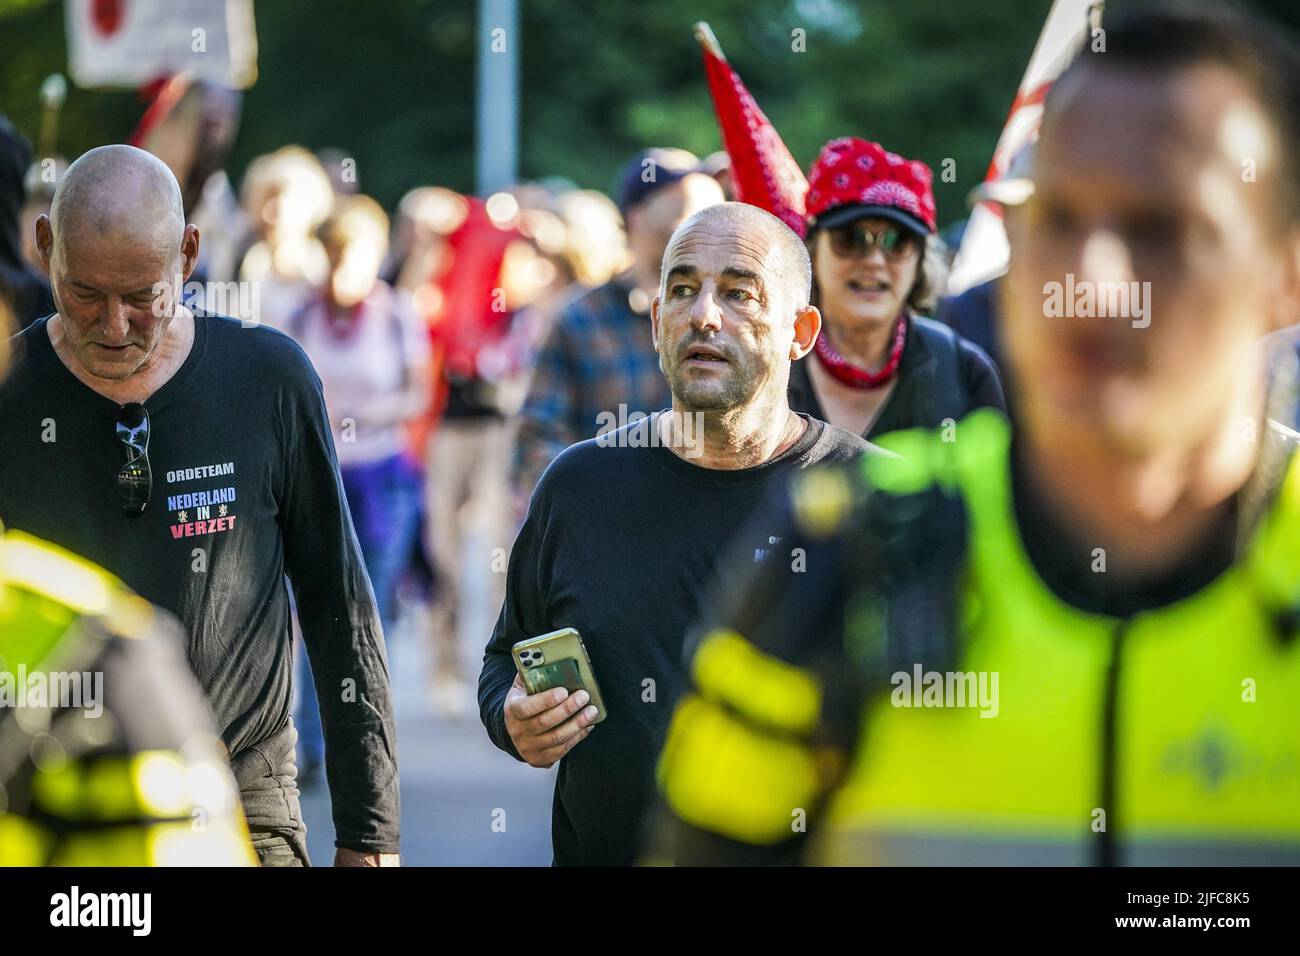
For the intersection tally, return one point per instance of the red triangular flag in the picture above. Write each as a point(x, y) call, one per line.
point(763, 172)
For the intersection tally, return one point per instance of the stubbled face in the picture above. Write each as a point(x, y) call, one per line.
point(863, 290)
point(1139, 180)
point(115, 293)
point(723, 324)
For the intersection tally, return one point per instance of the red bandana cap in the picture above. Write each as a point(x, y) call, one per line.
point(853, 179)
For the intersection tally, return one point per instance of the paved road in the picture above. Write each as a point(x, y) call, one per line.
point(454, 785)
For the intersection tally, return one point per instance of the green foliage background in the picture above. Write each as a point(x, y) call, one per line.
point(391, 82)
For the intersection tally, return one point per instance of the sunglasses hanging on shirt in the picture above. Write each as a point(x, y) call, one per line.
point(135, 479)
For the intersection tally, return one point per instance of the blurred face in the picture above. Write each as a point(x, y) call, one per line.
point(1184, 265)
point(724, 325)
point(526, 274)
point(354, 267)
point(651, 224)
point(865, 271)
point(116, 292)
point(265, 209)
point(298, 199)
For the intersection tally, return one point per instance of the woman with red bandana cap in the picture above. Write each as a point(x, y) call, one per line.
point(879, 365)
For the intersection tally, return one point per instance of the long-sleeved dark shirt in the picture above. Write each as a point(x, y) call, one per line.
point(622, 541)
point(245, 489)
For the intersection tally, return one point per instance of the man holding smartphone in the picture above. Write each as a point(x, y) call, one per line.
point(625, 531)
point(1122, 563)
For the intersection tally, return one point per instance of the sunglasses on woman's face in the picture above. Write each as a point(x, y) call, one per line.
point(135, 479)
point(855, 241)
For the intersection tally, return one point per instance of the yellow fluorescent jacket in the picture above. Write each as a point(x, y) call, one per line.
point(1171, 737)
point(158, 807)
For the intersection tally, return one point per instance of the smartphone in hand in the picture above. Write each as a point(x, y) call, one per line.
point(558, 659)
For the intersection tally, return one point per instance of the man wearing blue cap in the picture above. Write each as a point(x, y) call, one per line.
point(598, 364)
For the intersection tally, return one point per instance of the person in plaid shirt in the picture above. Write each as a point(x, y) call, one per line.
point(597, 366)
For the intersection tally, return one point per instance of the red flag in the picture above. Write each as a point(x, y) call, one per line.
point(163, 94)
point(763, 172)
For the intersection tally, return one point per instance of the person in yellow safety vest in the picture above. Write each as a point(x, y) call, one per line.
point(1076, 641)
point(107, 753)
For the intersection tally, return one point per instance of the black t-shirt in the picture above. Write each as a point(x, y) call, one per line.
point(621, 542)
point(245, 490)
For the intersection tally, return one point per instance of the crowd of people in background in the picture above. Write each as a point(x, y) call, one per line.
point(444, 339)
point(463, 343)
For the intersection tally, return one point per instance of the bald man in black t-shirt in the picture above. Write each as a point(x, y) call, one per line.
point(192, 457)
point(625, 532)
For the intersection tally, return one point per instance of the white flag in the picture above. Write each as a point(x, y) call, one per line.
point(983, 252)
point(130, 42)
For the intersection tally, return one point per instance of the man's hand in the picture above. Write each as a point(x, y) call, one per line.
point(346, 857)
point(543, 726)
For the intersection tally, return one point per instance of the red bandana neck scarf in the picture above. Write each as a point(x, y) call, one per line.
point(845, 371)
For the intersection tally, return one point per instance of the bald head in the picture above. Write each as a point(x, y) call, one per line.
point(119, 191)
point(732, 311)
point(790, 267)
point(118, 251)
